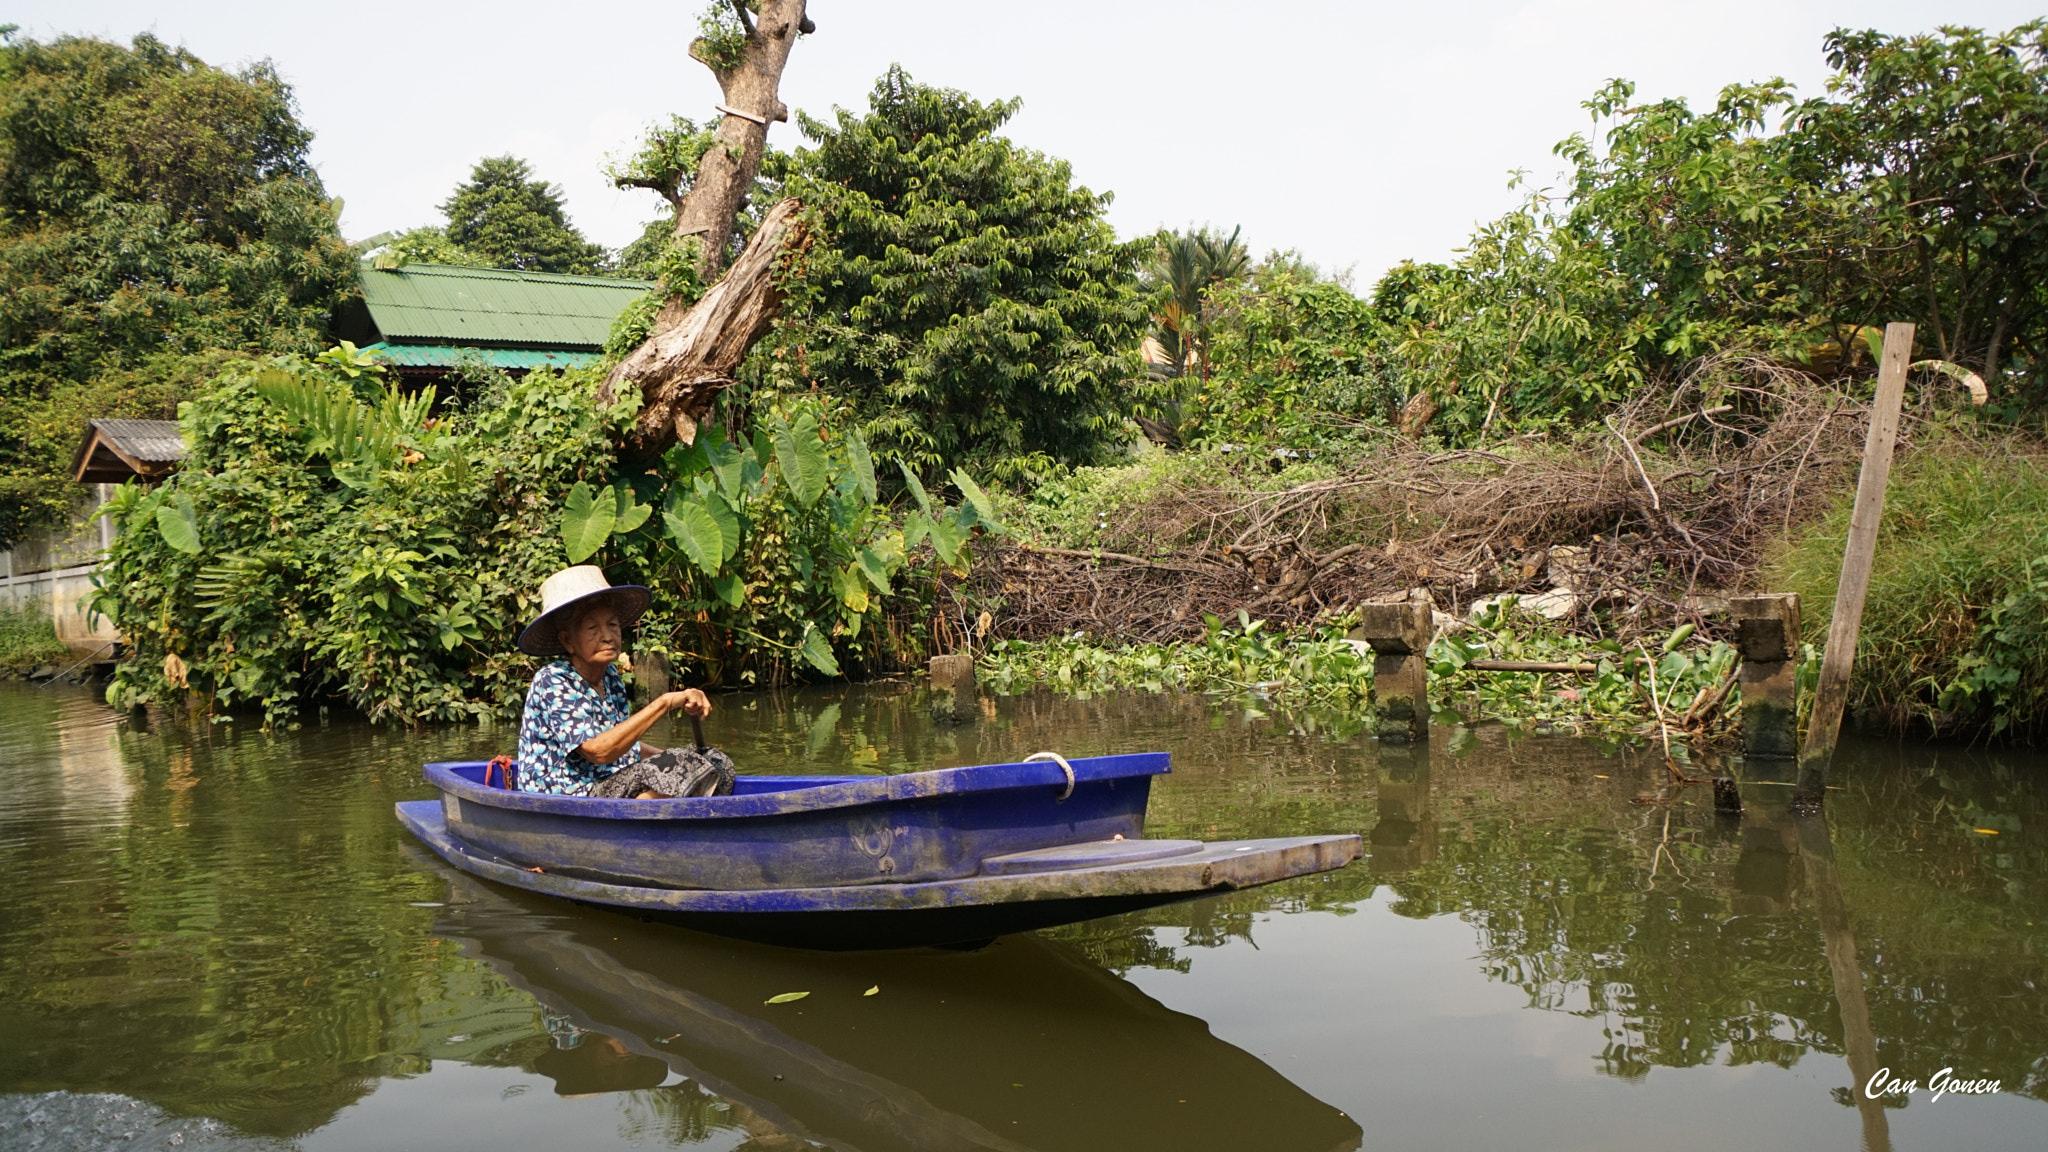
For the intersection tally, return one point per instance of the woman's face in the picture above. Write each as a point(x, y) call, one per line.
point(594, 637)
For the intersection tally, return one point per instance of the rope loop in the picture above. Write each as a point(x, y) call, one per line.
point(1064, 767)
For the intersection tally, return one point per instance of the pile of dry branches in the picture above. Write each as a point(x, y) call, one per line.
point(1678, 497)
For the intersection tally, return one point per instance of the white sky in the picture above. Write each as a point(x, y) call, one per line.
point(1359, 133)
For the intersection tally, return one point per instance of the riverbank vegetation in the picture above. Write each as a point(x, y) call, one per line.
point(1656, 372)
point(1638, 393)
point(28, 640)
point(326, 539)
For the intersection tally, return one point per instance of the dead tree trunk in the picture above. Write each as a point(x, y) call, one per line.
point(726, 173)
point(693, 350)
point(681, 369)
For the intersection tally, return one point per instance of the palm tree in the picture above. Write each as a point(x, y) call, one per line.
point(1183, 270)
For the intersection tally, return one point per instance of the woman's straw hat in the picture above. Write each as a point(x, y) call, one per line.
point(563, 591)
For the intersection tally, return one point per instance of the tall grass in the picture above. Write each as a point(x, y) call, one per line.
point(1955, 632)
point(27, 638)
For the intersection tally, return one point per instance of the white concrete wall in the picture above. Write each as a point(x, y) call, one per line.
point(54, 568)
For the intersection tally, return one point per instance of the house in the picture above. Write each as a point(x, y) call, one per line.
point(424, 319)
point(53, 567)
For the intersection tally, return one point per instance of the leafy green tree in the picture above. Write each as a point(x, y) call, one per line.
point(152, 208)
point(508, 219)
point(1911, 191)
point(424, 245)
point(966, 297)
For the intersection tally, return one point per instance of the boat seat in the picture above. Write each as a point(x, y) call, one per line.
point(1094, 854)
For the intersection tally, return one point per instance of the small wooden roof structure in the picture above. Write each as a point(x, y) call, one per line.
point(116, 450)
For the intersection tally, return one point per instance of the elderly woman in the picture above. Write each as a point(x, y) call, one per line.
point(579, 736)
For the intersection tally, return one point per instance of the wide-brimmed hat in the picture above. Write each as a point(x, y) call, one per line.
point(562, 592)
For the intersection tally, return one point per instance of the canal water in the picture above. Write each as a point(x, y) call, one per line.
point(212, 937)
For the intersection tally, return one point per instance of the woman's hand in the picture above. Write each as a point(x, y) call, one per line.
point(613, 742)
point(691, 701)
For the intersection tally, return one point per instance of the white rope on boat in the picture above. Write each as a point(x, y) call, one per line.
point(1064, 767)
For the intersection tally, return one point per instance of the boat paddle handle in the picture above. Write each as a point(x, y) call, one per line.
point(697, 726)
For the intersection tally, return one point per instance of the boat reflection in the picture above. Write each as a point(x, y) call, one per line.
point(1020, 1045)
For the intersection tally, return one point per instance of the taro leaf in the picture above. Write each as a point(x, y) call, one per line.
point(917, 492)
point(730, 589)
point(863, 465)
point(762, 448)
point(816, 650)
point(916, 527)
point(785, 997)
point(875, 569)
point(726, 462)
point(728, 525)
point(803, 459)
point(698, 533)
point(178, 523)
point(853, 591)
point(586, 523)
point(872, 991)
point(947, 536)
point(629, 513)
point(684, 460)
point(247, 679)
point(983, 510)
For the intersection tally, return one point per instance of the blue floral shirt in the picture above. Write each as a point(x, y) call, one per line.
point(563, 711)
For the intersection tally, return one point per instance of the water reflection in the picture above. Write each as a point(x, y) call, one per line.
point(1019, 1045)
point(227, 924)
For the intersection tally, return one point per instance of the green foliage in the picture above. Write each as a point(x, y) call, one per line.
point(1326, 670)
point(1630, 689)
point(507, 219)
point(722, 35)
point(27, 638)
point(965, 297)
point(1954, 627)
point(774, 555)
point(1765, 224)
point(426, 245)
point(324, 539)
point(152, 210)
point(1905, 193)
point(1185, 268)
point(1291, 360)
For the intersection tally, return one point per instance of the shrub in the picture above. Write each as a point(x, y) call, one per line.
point(27, 638)
point(1955, 631)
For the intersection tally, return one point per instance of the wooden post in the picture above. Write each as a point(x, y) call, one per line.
point(1833, 692)
point(1767, 635)
point(1399, 634)
point(1845, 970)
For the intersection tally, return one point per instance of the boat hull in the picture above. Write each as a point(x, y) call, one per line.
point(1016, 892)
point(780, 832)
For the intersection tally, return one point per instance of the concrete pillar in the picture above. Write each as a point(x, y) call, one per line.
point(1405, 836)
point(953, 693)
point(1399, 634)
point(1767, 635)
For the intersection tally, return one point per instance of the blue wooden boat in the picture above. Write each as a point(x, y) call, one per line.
point(949, 856)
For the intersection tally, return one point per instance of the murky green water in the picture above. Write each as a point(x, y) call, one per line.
point(222, 939)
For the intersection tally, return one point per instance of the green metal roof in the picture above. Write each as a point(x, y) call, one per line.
point(445, 356)
point(481, 307)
